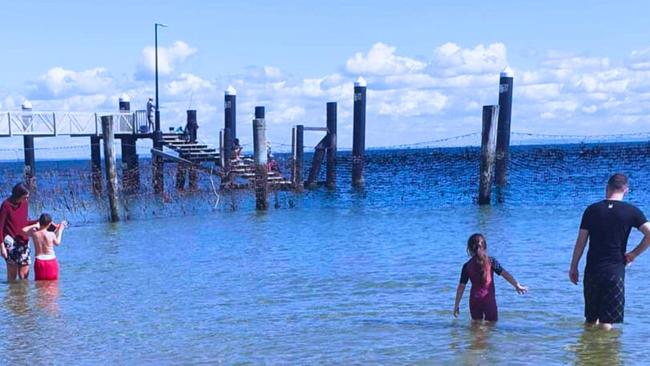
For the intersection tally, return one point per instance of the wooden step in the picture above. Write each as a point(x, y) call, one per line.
point(185, 144)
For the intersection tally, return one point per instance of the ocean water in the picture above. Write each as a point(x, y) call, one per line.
point(343, 277)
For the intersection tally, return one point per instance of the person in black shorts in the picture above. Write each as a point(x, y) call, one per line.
point(607, 225)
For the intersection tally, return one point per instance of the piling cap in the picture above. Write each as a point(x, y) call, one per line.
point(27, 104)
point(360, 82)
point(125, 98)
point(507, 72)
point(231, 90)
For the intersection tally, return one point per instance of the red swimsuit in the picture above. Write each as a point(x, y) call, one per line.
point(482, 299)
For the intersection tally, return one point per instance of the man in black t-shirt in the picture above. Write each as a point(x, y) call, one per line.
point(607, 225)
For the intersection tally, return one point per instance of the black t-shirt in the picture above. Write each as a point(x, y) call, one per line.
point(609, 224)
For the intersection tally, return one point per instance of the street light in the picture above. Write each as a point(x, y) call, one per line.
point(156, 25)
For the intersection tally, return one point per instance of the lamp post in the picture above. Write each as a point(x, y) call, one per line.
point(158, 177)
point(156, 25)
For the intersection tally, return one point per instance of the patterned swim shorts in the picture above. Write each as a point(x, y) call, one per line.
point(18, 253)
point(604, 298)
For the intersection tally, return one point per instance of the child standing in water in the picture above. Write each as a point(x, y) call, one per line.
point(479, 269)
point(46, 267)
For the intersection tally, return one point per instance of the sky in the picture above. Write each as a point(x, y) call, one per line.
point(581, 67)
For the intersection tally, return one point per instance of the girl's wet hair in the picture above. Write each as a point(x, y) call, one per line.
point(477, 247)
point(20, 190)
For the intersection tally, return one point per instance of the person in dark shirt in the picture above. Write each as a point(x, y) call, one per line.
point(479, 269)
point(607, 225)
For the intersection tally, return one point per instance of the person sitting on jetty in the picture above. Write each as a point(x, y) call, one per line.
point(236, 149)
point(45, 235)
point(479, 269)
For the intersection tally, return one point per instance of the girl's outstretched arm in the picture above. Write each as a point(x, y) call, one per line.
point(518, 287)
point(459, 295)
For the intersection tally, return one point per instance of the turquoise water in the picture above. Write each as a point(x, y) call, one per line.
point(341, 277)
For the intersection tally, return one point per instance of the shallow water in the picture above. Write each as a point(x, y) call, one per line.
point(337, 278)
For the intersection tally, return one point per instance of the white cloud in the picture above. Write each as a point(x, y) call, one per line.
point(410, 103)
point(450, 59)
point(427, 98)
point(381, 60)
point(58, 82)
point(538, 92)
point(168, 59)
point(188, 83)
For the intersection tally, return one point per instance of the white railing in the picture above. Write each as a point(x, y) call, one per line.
point(63, 123)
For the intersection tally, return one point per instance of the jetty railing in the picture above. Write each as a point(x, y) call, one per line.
point(31, 123)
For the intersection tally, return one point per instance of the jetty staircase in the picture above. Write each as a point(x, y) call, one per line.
point(198, 153)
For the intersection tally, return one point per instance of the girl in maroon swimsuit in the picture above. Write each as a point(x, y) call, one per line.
point(479, 270)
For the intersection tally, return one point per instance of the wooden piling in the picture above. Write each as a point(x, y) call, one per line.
point(227, 150)
point(359, 132)
point(221, 150)
point(488, 152)
point(111, 171)
point(158, 162)
point(96, 164)
point(330, 176)
point(503, 130)
point(299, 157)
point(293, 155)
point(261, 168)
point(130, 169)
point(230, 112)
point(181, 170)
point(30, 161)
point(193, 178)
point(316, 163)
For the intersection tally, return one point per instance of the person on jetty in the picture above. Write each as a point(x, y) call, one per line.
point(45, 235)
point(236, 149)
point(14, 214)
point(479, 269)
point(607, 225)
point(150, 114)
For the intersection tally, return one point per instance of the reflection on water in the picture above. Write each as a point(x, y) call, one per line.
point(17, 298)
point(47, 295)
point(598, 347)
point(480, 334)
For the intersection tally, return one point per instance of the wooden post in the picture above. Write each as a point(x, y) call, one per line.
point(180, 174)
point(316, 163)
point(261, 169)
point(221, 150)
point(300, 155)
point(293, 155)
point(30, 162)
point(96, 164)
point(330, 180)
point(158, 162)
point(111, 172)
point(488, 152)
point(359, 132)
point(503, 130)
point(227, 150)
point(193, 177)
point(130, 173)
point(230, 112)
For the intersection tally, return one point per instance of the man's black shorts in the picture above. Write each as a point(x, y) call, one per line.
point(604, 298)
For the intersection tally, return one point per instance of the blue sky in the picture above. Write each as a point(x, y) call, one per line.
point(581, 67)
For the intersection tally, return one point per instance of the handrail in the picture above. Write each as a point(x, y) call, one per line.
point(56, 123)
